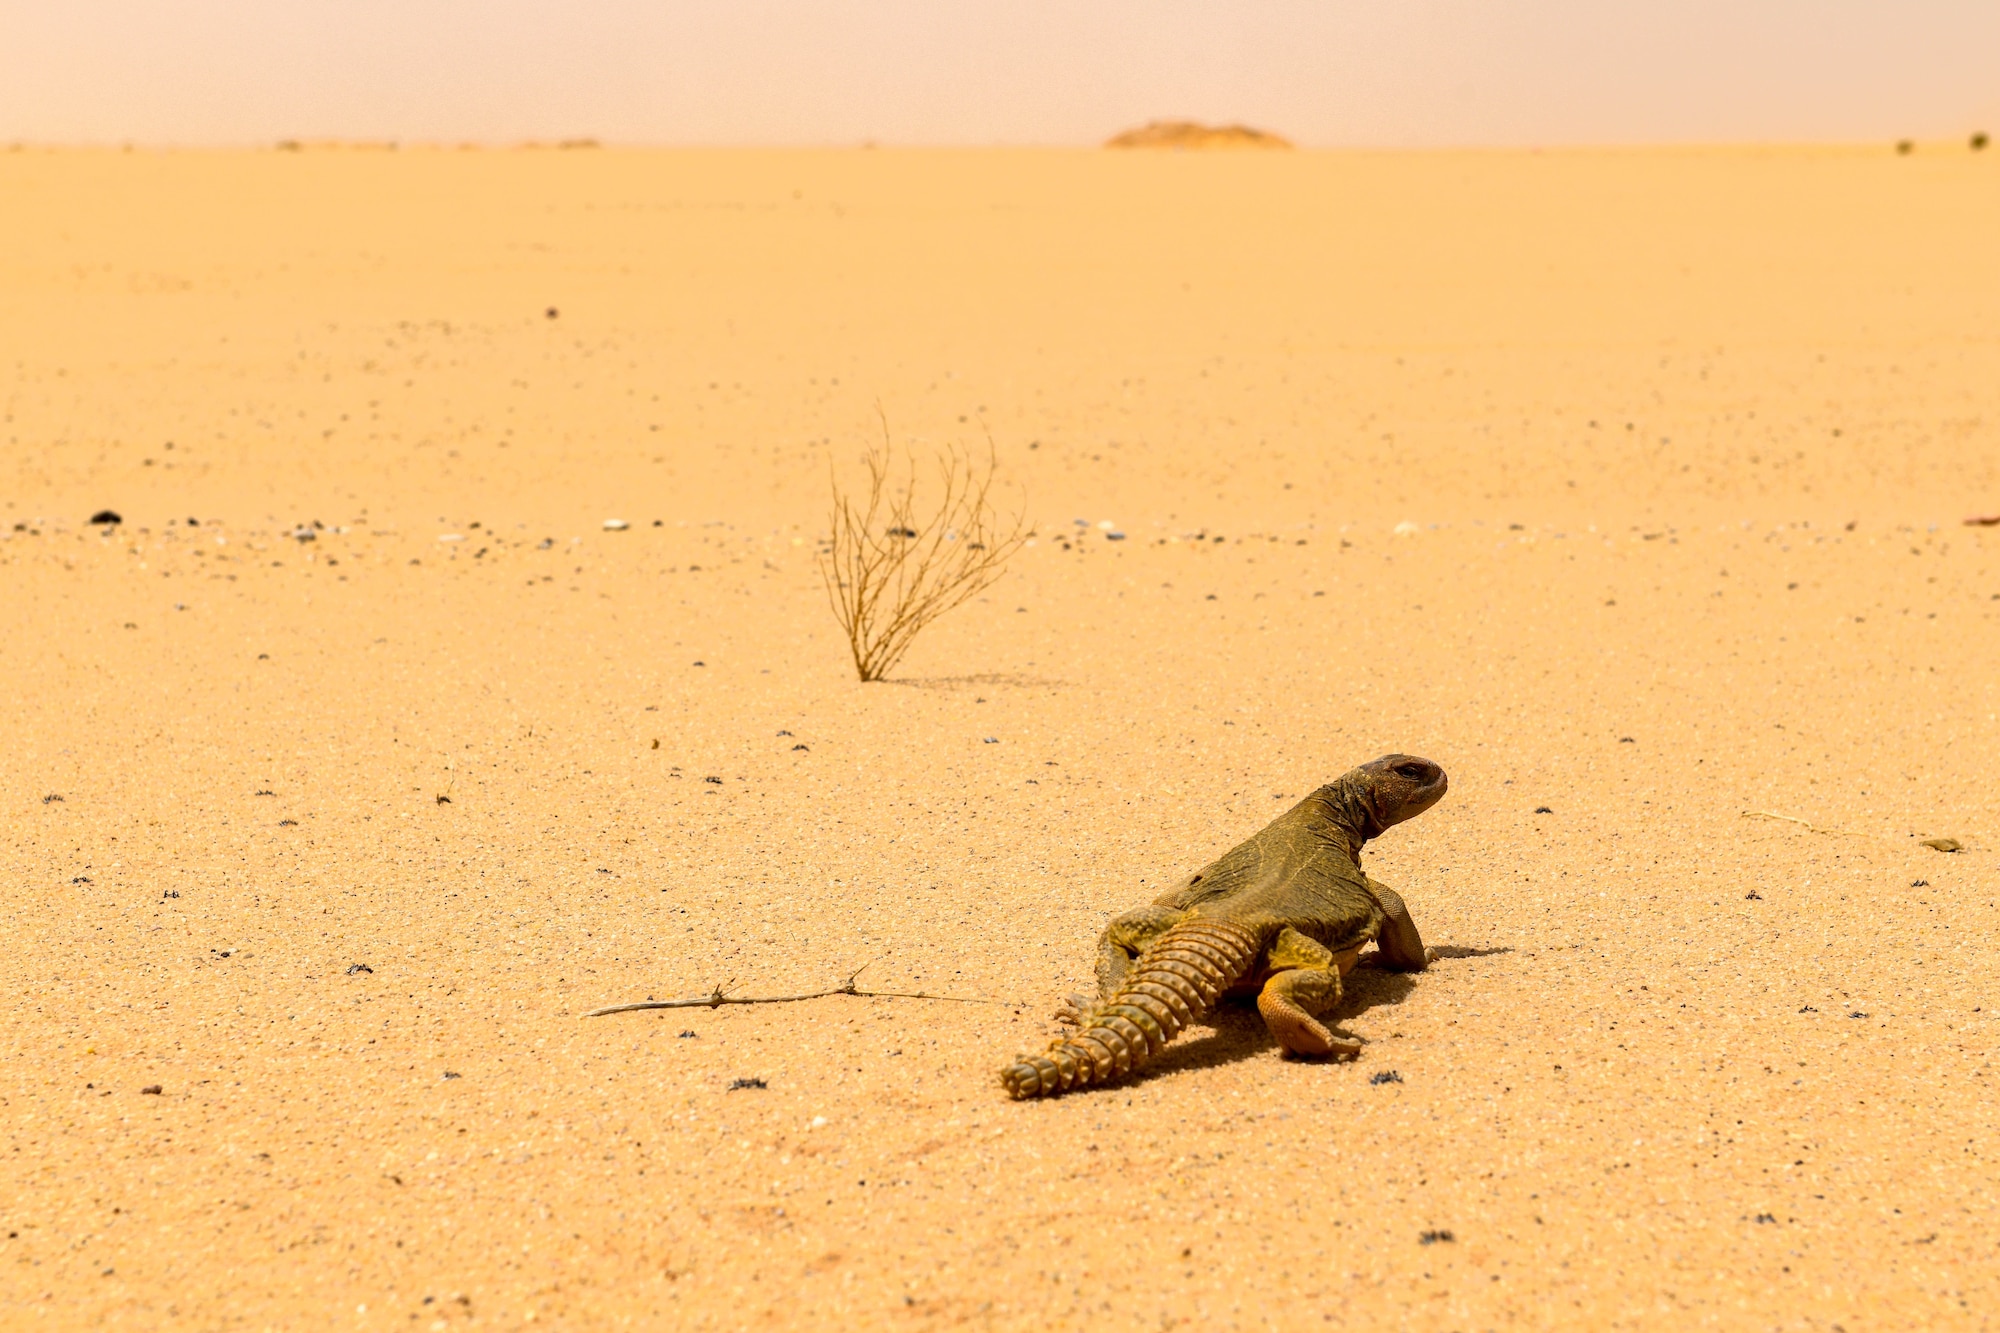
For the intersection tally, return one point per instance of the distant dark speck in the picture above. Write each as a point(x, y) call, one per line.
point(52, 796)
point(359, 967)
point(716, 781)
point(1378, 1078)
point(551, 312)
point(1626, 740)
point(689, 1033)
point(287, 823)
point(802, 747)
point(740, 1083)
point(1436, 1238)
point(1543, 810)
point(449, 1074)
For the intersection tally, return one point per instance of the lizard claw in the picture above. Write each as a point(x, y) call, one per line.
point(1299, 1032)
point(1073, 1011)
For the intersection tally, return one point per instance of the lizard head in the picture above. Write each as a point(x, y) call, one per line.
point(1394, 788)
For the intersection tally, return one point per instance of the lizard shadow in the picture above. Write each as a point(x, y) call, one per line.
point(1238, 1031)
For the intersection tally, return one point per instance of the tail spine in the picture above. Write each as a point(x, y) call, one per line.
point(1175, 982)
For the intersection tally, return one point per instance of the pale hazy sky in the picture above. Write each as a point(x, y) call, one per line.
point(1325, 72)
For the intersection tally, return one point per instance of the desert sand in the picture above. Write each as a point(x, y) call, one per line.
point(1628, 486)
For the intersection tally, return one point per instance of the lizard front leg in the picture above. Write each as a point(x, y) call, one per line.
point(1305, 981)
point(1402, 948)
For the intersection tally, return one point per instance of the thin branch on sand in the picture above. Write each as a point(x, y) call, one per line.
point(720, 996)
point(890, 569)
point(1936, 844)
point(1805, 824)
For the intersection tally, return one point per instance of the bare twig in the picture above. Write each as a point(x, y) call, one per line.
point(1815, 828)
point(1939, 844)
point(720, 996)
point(890, 569)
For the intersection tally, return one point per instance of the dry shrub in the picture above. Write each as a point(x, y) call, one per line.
point(1193, 134)
point(898, 561)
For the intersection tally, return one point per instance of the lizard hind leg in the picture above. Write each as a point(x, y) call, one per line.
point(1304, 984)
point(1174, 982)
point(1125, 939)
point(1074, 1011)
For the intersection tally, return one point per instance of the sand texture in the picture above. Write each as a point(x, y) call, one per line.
point(1628, 485)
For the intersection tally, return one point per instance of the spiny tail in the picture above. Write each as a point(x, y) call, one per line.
point(1175, 982)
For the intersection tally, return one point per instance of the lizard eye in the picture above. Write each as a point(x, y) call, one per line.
point(1411, 771)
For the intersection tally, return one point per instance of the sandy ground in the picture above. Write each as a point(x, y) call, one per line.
point(1628, 485)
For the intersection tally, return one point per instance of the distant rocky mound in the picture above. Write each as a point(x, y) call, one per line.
point(1194, 134)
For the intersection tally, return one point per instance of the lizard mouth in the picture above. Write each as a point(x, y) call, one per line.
point(1404, 786)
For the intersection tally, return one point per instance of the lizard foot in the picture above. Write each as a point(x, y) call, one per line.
point(1299, 1032)
point(1073, 1011)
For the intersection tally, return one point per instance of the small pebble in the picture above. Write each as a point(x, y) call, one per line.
point(615, 525)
